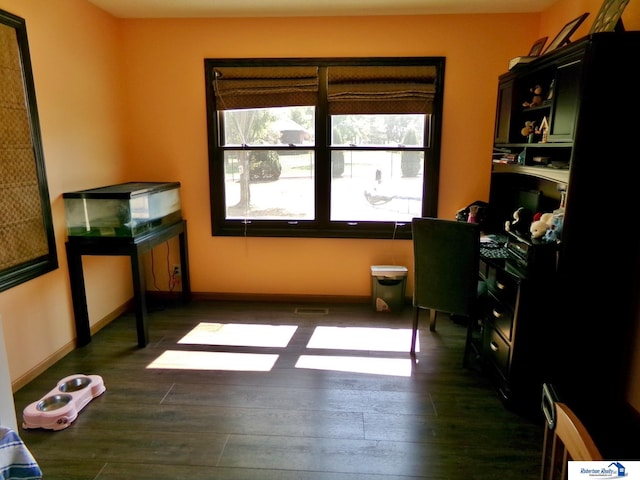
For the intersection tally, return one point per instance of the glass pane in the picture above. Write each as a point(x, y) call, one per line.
point(279, 185)
point(370, 130)
point(269, 126)
point(376, 185)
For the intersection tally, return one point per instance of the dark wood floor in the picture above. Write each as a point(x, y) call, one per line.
point(441, 421)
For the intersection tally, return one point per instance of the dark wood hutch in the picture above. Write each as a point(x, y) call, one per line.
point(567, 313)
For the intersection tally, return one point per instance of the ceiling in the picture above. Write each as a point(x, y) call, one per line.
point(310, 8)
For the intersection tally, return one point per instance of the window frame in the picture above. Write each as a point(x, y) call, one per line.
point(31, 253)
point(322, 226)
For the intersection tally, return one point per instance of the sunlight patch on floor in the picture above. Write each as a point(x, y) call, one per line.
point(399, 367)
point(361, 338)
point(244, 335)
point(279, 336)
point(245, 362)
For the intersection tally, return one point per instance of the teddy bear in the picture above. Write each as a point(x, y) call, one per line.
point(536, 99)
point(522, 219)
point(539, 227)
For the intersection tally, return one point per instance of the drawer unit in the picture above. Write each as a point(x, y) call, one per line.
point(507, 331)
point(484, 269)
point(504, 286)
point(501, 315)
point(497, 350)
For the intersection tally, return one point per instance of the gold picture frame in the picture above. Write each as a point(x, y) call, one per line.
point(609, 17)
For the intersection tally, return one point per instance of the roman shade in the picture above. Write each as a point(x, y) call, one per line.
point(265, 86)
point(351, 89)
point(381, 89)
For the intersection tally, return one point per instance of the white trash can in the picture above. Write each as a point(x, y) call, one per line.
point(388, 286)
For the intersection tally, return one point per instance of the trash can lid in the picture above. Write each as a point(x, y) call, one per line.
point(388, 271)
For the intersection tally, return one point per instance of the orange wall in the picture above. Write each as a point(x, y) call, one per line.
point(167, 129)
point(78, 75)
point(124, 100)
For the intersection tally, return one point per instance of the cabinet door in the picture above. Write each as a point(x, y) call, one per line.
point(566, 96)
point(503, 112)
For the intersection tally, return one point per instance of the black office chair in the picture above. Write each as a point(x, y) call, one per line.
point(446, 261)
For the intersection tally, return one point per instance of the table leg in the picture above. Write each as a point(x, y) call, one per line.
point(140, 303)
point(184, 265)
point(78, 297)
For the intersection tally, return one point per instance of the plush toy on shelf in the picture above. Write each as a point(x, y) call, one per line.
point(522, 219)
point(541, 223)
point(554, 233)
point(528, 129)
point(536, 100)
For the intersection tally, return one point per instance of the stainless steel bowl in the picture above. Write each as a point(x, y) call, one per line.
point(74, 384)
point(53, 402)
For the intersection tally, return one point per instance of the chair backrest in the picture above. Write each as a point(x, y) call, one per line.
point(446, 261)
point(565, 438)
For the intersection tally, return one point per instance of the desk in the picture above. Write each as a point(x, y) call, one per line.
point(132, 247)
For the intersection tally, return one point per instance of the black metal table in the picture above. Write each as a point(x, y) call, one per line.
point(132, 247)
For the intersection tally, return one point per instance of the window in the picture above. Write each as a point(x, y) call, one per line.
point(345, 148)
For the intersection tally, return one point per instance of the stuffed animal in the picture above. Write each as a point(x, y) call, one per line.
point(473, 214)
point(477, 212)
point(528, 129)
point(536, 99)
point(522, 219)
point(539, 227)
point(554, 232)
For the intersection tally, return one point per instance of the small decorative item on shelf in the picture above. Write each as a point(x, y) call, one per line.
point(528, 130)
point(550, 93)
point(543, 130)
point(504, 157)
point(536, 50)
point(536, 98)
point(539, 160)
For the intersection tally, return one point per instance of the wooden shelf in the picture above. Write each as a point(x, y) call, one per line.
point(534, 145)
point(547, 173)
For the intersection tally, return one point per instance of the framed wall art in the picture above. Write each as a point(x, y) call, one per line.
point(563, 36)
point(536, 48)
point(27, 239)
point(609, 16)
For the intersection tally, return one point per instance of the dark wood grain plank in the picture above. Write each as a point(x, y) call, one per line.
point(442, 421)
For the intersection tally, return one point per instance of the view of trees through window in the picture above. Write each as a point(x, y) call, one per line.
point(270, 165)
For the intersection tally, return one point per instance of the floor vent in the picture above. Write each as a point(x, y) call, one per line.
point(311, 311)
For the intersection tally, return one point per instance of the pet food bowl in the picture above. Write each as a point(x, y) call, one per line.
point(53, 402)
point(75, 384)
point(60, 407)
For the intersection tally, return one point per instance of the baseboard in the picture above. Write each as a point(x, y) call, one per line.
point(280, 298)
point(259, 297)
point(42, 366)
point(67, 348)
